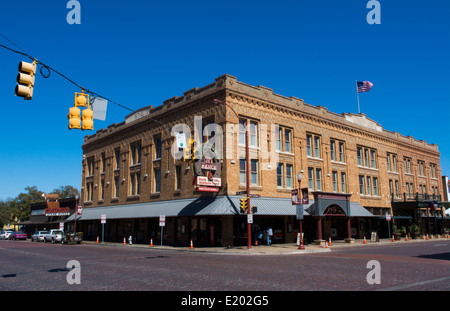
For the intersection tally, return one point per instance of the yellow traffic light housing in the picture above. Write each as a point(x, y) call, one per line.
point(86, 121)
point(243, 205)
point(25, 80)
point(74, 118)
point(81, 99)
point(189, 151)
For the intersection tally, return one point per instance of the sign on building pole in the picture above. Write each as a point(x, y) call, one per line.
point(103, 221)
point(388, 219)
point(162, 223)
point(249, 218)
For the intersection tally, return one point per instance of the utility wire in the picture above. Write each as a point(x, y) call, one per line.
point(24, 53)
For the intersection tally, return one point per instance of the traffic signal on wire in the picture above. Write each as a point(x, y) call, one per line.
point(88, 119)
point(74, 118)
point(85, 120)
point(25, 80)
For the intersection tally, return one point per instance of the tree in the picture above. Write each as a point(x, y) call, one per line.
point(5, 212)
point(21, 208)
point(66, 192)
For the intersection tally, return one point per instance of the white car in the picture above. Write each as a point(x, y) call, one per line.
point(38, 236)
point(53, 236)
point(4, 235)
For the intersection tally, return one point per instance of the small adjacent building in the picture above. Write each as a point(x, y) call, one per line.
point(134, 172)
point(48, 215)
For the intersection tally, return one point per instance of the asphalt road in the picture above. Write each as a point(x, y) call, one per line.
point(26, 266)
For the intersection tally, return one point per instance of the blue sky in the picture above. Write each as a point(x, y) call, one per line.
point(140, 53)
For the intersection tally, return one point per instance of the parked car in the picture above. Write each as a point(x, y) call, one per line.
point(18, 235)
point(53, 236)
point(72, 237)
point(38, 236)
point(4, 235)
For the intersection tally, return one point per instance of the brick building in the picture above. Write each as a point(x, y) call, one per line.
point(131, 175)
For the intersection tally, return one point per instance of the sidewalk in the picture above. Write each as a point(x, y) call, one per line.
point(275, 249)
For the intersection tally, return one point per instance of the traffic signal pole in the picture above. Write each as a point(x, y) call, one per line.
point(247, 159)
point(247, 164)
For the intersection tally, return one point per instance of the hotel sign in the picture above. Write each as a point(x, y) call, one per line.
point(205, 181)
point(57, 211)
point(207, 171)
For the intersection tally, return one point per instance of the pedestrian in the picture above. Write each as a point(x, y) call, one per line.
point(260, 237)
point(269, 235)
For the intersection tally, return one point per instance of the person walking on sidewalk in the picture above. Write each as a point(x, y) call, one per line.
point(269, 235)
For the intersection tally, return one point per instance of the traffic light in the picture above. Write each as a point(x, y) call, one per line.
point(81, 99)
point(244, 205)
point(25, 80)
point(74, 118)
point(189, 151)
point(86, 120)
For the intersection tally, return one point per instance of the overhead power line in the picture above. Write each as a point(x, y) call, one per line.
point(24, 53)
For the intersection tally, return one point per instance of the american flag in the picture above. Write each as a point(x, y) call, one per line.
point(364, 86)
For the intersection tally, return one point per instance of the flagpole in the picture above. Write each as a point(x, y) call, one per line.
point(357, 95)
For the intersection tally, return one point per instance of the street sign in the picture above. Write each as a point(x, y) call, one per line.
point(181, 140)
point(162, 220)
point(388, 217)
point(162, 224)
point(255, 196)
point(241, 192)
point(103, 219)
point(249, 218)
point(61, 226)
point(80, 209)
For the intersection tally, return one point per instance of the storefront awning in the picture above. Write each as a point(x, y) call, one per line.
point(203, 206)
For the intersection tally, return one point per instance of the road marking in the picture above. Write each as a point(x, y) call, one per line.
point(400, 287)
point(440, 245)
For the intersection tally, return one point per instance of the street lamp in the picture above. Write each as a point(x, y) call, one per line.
point(299, 178)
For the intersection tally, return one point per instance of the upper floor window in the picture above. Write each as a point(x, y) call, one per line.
point(313, 145)
point(90, 166)
point(103, 162)
point(433, 170)
point(284, 140)
point(135, 180)
point(252, 127)
point(117, 158)
point(337, 150)
point(392, 162)
point(367, 157)
point(135, 153)
point(421, 168)
point(407, 165)
point(158, 146)
point(314, 178)
point(254, 172)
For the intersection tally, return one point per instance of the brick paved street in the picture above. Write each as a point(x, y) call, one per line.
point(36, 266)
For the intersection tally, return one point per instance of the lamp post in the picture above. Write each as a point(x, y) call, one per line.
point(299, 178)
point(76, 214)
point(247, 165)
